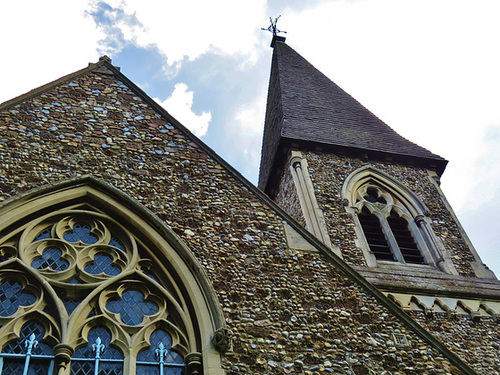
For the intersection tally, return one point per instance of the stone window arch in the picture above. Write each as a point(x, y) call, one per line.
point(392, 223)
point(112, 288)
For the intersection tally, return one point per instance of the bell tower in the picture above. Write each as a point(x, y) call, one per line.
point(372, 196)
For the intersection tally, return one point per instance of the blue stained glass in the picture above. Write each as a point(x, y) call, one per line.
point(110, 359)
point(19, 347)
point(148, 360)
point(70, 305)
point(51, 258)
point(44, 234)
point(132, 307)
point(81, 232)
point(102, 264)
point(116, 243)
point(12, 296)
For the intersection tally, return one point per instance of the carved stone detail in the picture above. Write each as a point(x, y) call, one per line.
point(222, 340)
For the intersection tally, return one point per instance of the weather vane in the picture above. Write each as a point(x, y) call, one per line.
point(272, 27)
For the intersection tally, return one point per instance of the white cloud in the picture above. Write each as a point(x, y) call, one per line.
point(180, 104)
point(247, 134)
point(43, 40)
point(190, 28)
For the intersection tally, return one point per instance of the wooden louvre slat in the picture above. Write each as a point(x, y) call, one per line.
point(375, 236)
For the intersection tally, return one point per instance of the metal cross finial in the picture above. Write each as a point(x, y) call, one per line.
point(161, 352)
point(98, 348)
point(30, 344)
point(272, 27)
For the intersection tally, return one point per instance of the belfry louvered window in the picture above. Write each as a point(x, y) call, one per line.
point(386, 231)
point(375, 235)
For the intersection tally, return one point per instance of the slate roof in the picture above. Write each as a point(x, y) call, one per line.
point(305, 105)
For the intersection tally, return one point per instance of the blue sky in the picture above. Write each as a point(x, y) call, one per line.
point(427, 68)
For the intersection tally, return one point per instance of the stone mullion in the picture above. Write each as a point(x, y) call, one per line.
point(391, 240)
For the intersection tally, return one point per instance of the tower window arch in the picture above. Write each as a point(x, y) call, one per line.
point(392, 223)
point(388, 235)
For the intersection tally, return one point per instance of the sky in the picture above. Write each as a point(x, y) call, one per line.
point(428, 68)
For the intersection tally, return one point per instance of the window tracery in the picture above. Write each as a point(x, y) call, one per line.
point(387, 233)
point(392, 223)
point(95, 267)
point(79, 256)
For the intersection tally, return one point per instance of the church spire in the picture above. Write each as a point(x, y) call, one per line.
point(306, 108)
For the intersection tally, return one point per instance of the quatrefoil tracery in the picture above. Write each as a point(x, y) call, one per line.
point(87, 258)
point(76, 248)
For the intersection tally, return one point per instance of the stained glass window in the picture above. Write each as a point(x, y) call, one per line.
point(81, 232)
point(28, 354)
point(51, 258)
point(44, 234)
point(103, 263)
point(12, 296)
point(97, 357)
point(132, 307)
point(116, 243)
point(159, 358)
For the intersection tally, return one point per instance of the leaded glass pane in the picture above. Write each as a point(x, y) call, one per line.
point(13, 366)
point(51, 258)
point(71, 305)
point(15, 359)
point(37, 366)
point(105, 336)
point(18, 346)
point(103, 263)
point(44, 234)
point(159, 354)
point(110, 359)
point(12, 296)
point(81, 232)
point(132, 307)
point(117, 243)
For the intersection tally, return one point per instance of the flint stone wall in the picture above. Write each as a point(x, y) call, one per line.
point(290, 312)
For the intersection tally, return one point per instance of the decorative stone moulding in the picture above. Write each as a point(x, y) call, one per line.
point(85, 257)
point(430, 305)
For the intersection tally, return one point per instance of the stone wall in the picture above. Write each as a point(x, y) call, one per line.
point(475, 340)
point(287, 197)
point(290, 312)
point(328, 173)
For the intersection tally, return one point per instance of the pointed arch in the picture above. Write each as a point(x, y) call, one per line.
point(371, 175)
point(103, 236)
point(403, 231)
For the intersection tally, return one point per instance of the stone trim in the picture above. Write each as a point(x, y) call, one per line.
point(407, 204)
point(315, 221)
point(479, 268)
point(199, 311)
point(451, 306)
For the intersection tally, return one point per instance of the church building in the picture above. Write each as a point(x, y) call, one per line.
point(128, 246)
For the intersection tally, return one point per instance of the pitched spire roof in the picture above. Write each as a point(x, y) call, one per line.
point(306, 106)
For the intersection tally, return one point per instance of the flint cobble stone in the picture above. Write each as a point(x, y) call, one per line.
point(289, 311)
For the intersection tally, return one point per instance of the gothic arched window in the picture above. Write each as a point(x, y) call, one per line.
point(388, 234)
point(90, 283)
point(29, 353)
point(392, 221)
